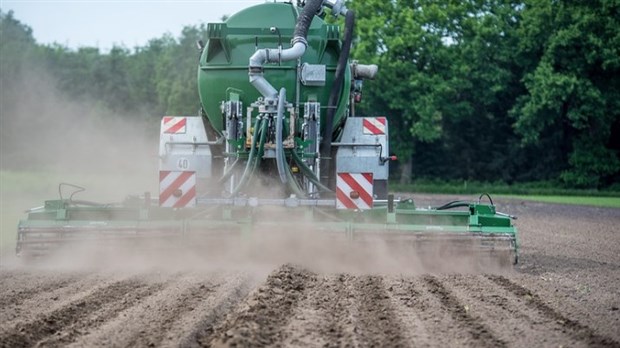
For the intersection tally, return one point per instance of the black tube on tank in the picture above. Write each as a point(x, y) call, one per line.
point(326, 145)
point(306, 16)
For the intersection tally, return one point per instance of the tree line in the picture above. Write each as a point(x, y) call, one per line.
point(486, 90)
point(498, 89)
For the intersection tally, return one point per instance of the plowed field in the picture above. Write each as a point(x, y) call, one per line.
point(564, 292)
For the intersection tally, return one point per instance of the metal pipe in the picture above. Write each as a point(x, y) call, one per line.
point(262, 85)
point(271, 55)
point(337, 6)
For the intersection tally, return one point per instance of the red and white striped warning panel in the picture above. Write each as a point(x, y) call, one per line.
point(177, 189)
point(174, 125)
point(374, 125)
point(354, 191)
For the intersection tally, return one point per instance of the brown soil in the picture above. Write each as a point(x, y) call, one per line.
point(564, 292)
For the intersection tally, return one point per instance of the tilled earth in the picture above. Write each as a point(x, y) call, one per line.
point(564, 292)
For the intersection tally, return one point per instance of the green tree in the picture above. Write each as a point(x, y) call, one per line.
point(176, 73)
point(447, 79)
point(18, 54)
point(571, 51)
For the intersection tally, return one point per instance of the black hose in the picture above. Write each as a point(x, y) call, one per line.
point(485, 194)
point(305, 18)
point(332, 105)
point(453, 204)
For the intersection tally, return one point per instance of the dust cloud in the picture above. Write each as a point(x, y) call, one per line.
point(113, 155)
point(48, 137)
point(46, 131)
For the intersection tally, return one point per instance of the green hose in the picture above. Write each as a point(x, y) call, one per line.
point(262, 136)
point(292, 183)
point(308, 172)
point(261, 143)
point(249, 166)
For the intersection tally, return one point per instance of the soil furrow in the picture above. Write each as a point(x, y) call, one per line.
point(435, 324)
point(409, 306)
point(377, 323)
point(481, 334)
point(213, 312)
point(267, 311)
point(506, 315)
point(324, 317)
point(46, 302)
point(14, 298)
point(7, 276)
point(63, 325)
point(574, 328)
point(161, 319)
point(143, 317)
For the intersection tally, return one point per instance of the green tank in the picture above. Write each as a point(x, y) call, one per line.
point(223, 68)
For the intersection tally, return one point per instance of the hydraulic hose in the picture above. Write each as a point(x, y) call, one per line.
point(279, 146)
point(251, 158)
point(453, 204)
point(283, 170)
point(334, 96)
point(261, 143)
point(308, 172)
point(292, 184)
point(260, 151)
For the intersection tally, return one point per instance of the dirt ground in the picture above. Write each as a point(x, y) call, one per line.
point(565, 292)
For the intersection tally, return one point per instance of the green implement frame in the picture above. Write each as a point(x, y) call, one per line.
point(465, 225)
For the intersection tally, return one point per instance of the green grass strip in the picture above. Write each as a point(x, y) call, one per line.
point(609, 202)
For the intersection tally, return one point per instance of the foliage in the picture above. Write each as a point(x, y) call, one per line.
point(573, 89)
point(497, 89)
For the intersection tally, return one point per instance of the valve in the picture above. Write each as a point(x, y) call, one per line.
point(389, 158)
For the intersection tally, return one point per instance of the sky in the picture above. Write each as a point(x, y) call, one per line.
point(104, 23)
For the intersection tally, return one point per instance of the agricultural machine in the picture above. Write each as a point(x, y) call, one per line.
point(277, 145)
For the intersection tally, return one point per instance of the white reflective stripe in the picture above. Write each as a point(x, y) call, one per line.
point(368, 187)
point(342, 186)
point(168, 180)
point(168, 184)
point(346, 189)
point(373, 125)
point(185, 187)
point(171, 124)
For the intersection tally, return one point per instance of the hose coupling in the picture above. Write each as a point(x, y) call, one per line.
point(300, 39)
